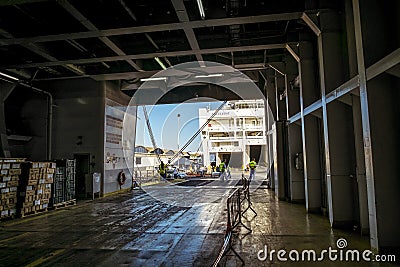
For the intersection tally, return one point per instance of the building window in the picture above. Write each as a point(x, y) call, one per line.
point(157, 151)
point(138, 160)
point(140, 149)
point(213, 157)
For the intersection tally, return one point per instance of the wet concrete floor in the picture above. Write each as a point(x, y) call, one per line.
point(143, 228)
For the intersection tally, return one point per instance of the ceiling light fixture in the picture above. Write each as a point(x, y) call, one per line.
point(9, 76)
point(201, 9)
point(209, 75)
point(160, 63)
point(153, 79)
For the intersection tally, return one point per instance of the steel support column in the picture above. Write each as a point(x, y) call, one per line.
point(325, 127)
point(362, 219)
point(311, 138)
point(276, 95)
point(295, 173)
point(366, 127)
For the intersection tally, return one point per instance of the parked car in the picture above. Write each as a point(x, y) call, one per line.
point(172, 171)
point(215, 174)
point(181, 175)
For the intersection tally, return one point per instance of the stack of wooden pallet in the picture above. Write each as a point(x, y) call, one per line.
point(10, 169)
point(35, 187)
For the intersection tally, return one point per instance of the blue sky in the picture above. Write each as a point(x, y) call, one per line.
point(164, 123)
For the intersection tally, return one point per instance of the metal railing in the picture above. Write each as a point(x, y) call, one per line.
point(143, 176)
point(234, 219)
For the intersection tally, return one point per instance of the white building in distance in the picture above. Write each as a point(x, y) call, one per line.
point(237, 133)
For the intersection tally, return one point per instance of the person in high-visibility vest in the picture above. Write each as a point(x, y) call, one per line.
point(222, 170)
point(162, 170)
point(252, 167)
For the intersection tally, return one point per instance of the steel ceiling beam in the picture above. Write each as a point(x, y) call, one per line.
point(145, 74)
point(148, 56)
point(311, 24)
point(90, 26)
point(123, 75)
point(384, 64)
point(154, 28)
point(372, 71)
point(181, 12)
point(395, 71)
point(132, 15)
point(19, 2)
point(41, 52)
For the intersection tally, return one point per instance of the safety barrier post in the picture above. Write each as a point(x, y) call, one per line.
point(246, 193)
point(234, 218)
point(239, 214)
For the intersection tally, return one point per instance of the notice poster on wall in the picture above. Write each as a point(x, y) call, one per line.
point(118, 152)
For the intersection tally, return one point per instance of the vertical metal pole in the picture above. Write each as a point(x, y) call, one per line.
point(133, 151)
point(268, 134)
point(49, 125)
point(287, 97)
point(325, 128)
point(178, 116)
point(366, 128)
point(303, 136)
point(92, 187)
point(276, 96)
point(287, 141)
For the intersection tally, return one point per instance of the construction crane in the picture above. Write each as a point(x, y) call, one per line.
point(175, 157)
point(153, 141)
point(198, 132)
